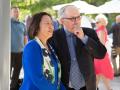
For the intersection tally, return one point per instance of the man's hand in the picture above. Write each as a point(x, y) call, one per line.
point(78, 32)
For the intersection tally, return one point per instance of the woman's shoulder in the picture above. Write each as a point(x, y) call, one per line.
point(32, 45)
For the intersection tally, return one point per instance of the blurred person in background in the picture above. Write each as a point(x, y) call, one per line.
point(116, 46)
point(103, 67)
point(27, 23)
point(18, 41)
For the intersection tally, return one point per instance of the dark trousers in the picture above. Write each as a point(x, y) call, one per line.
point(16, 65)
point(83, 88)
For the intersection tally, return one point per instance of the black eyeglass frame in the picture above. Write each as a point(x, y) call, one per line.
point(73, 18)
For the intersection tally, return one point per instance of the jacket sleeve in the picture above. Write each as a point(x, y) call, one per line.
point(32, 64)
point(94, 46)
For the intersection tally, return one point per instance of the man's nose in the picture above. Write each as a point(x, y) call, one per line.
point(75, 22)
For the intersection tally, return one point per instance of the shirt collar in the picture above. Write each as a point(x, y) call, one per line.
point(67, 32)
point(13, 19)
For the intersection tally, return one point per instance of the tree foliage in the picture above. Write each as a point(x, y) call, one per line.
point(34, 6)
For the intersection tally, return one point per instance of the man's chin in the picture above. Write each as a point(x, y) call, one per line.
point(71, 30)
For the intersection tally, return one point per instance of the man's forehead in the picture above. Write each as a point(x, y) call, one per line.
point(72, 13)
point(69, 8)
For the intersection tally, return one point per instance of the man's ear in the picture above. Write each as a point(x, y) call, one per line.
point(61, 21)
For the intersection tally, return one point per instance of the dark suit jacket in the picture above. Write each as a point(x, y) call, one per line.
point(85, 55)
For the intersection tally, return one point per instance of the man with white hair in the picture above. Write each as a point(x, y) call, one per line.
point(76, 48)
point(116, 45)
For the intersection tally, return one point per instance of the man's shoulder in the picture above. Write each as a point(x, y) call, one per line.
point(22, 23)
point(116, 26)
point(58, 35)
point(17, 22)
point(59, 31)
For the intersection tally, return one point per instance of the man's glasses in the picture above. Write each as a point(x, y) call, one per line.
point(73, 18)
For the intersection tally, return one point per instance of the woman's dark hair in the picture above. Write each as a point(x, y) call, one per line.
point(34, 25)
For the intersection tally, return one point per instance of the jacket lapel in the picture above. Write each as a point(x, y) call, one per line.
point(65, 44)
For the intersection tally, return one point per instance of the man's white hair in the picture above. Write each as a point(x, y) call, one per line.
point(61, 12)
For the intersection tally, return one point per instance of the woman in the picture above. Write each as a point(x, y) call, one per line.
point(42, 69)
point(103, 67)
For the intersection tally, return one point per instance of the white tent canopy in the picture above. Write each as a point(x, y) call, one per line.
point(85, 22)
point(112, 6)
point(82, 5)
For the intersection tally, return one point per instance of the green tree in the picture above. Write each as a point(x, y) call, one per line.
point(33, 6)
